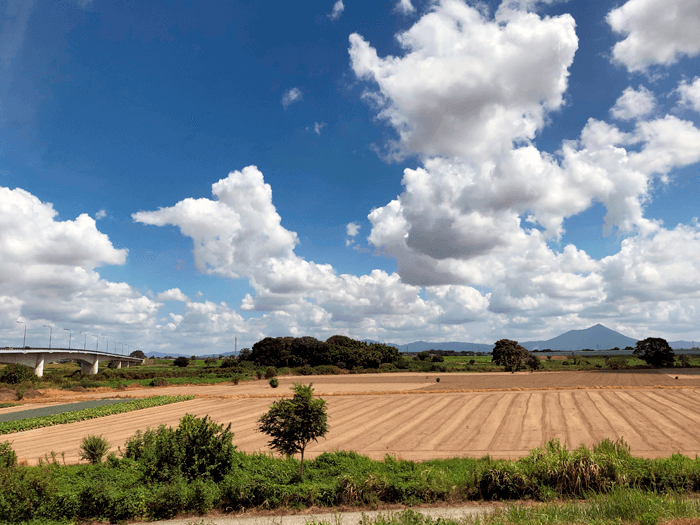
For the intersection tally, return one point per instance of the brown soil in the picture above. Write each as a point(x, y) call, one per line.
point(7, 394)
point(413, 417)
point(32, 394)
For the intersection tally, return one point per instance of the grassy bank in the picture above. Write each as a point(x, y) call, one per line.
point(195, 468)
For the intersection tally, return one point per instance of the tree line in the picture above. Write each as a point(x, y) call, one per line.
point(337, 350)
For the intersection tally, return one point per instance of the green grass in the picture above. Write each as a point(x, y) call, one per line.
point(87, 413)
point(8, 405)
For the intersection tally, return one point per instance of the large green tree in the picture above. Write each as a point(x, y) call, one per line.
point(294, 423)
point(655, 351)
point(510, 354)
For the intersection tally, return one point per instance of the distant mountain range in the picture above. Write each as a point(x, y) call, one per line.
point(596, 337)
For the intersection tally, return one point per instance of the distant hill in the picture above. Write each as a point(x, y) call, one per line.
point(596, 337)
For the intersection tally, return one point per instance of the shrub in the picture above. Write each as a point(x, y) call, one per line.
point(437, 358)
point(181, 362)
point(259, 374)
point(685, 360)
point(197, 449)
point(270, 372)
point(229, 362)
point(15, 373)
point(93, 448)
point(305, 370)
point(159, 381)
point(617, 362)
point(386, 367)
point(8, 457)
point(274, 382)
point(437, 379)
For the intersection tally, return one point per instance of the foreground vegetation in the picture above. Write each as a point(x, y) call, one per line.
point(20, 425)
point(619, 506)
point(195, 468)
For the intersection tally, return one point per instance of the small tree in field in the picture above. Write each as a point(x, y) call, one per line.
point(294, 423)
point(181, 361)
point(655, 351)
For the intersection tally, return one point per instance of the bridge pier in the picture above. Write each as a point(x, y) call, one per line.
point(89, 368)
point(39, 365)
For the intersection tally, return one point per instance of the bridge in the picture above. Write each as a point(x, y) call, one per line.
point(88, 359)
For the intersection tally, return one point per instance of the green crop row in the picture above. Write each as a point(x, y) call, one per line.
point(88, 413)
point(8, 405)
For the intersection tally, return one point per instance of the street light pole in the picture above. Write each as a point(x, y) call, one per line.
point(128, 350)
point(25, 333)
point(97, 342)
point(85, 341)
point(50, 334)
point(107, 343)
point(70, 336)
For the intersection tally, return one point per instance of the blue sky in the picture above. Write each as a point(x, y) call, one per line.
point(176, 174)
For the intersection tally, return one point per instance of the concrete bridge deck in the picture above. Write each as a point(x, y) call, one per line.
point(88, 359)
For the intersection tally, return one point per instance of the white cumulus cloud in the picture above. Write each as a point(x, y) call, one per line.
point(467, 84)
point(352, 229)
point(48, 273)
point(634, 104)
point(690, 93)
point(318, 126)
point(174, 294)
point(657, 32)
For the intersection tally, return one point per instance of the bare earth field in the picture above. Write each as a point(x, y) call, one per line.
point(413, 417)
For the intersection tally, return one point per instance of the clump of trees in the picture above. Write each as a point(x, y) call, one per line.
point(336, 350)
point(513, 357)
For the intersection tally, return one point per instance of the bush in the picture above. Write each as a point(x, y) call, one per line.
point(181, 362)
point(229, 362)
point(437, 358)
point(274, 382)
point(197, 449)
point(93, 448)
point(685, 360)
point(270, 372)
point(8, 457)
point(15, 373)
point(159, 381)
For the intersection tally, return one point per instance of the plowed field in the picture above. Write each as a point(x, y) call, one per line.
point(413, 417)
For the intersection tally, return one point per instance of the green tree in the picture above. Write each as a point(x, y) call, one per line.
point(294, 423)
point(509, 354)
point(655, 351)
point(138, 354)
point(181, 361)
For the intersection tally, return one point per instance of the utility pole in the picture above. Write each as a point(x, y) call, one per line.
point(235, 347)
point(25, 333)
point(50, 334)
point(70, 336)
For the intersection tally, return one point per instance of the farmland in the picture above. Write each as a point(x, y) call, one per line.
point(415, 417)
